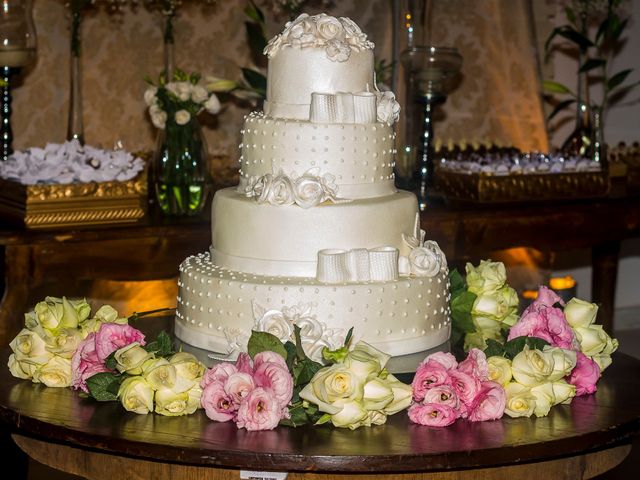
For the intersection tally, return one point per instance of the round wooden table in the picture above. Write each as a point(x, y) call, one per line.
point(95, 440)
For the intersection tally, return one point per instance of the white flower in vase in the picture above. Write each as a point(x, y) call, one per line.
point(182, 117)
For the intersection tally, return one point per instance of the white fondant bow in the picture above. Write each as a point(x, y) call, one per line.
point(357, 265)
point(342, 107)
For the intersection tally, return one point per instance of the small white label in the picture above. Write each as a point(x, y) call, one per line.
point(251, 475)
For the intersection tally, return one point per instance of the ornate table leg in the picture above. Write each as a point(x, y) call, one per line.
point(603, 281)
point(16, 293)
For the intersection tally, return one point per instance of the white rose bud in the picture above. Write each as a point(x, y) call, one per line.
point(593, 339)
point(183, 90)
point(563, 362)
point(532, 367)
point(486, 277)
point(545, 398)
point(199, 94)
point(499, 370)
point(21, 369)
point(497, 304)
point(28, 344)
point(351, 415)
point(65, 343)
point(130, 358)
point(49, 313)
point(189, 371)
point(172, 404)
point(55, 373)
point(488, 327)
point(136, 395)
point(150, 96)
point(377, 395)
point(603, 360)
point(213, 104)
point(563, 391)
point(580, 313)
point(159, 373)
point(158, 117)
point(402, 394)
point(182, 117)
point(520, 401)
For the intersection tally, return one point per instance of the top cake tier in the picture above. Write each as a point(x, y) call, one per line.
point(318, 54)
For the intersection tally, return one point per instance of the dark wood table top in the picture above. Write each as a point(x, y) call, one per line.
point(608, 418)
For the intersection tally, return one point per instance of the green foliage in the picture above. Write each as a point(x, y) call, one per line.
point(461, 304)
point(162, 346)
point(110, 362)
point(104, 386)
point(264, 341)
point(513, 347)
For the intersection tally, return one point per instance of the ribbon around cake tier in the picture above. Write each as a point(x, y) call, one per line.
point(358, 265)
point(343, 107)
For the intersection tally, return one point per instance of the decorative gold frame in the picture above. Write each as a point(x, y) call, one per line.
point(76, 204)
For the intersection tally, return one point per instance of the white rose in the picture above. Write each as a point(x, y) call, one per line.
point(563, 391)
point(136, 395)
point(159, 373)
point(497, 304)
point(329, 27)
point(351, 415)
point(486, 277)
point(474, 340)
point(24, 369)
point(158, 116)
point(173, 404)
point(55, 373)
point(377, 394)
point(212, 105)
point(603, 361)
point(199, 94)
point(308, 192)
point(388, 109)
point(130, 358)
point(611, 346)
point(338, 51)
point(150, 96)
point(28, 344)
point(65, 342)
point(189, 371)
point(402, 395)
point(49, 313)
point(182, 117)
point(563, 362)
point(275, 323)
point(532, 367)
point(183, 90)
point(281, 191)
point(273, 46)
point(593, 339)
point(545, 398)
point(172, 88)
point(499, 370)
point(424, 262)
point(520, 401)
point(487, 327)
point(580, 313)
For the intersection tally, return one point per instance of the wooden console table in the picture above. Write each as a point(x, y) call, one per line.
point(154, 248)
point(101, 441)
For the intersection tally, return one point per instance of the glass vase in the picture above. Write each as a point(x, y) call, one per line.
point(75, 125)
point(179, 171)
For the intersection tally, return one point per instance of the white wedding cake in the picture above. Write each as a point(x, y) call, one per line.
point(315, 234)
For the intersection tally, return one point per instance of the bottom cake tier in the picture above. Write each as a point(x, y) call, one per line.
point(218, 308)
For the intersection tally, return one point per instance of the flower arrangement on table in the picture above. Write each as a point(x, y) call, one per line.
point(550, 354)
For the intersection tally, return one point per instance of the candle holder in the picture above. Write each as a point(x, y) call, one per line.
point(17, 50)
point(431, 71)
point(565, 287)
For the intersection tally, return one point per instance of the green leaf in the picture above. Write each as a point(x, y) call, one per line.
point(323, 419)
point(254, 13)
point(618, 78)
point(515, 346)
point(335, 356)
point(304, 371)
point(347, 339)
point(265, 341)
point(256, 38)
point(290, 347)
point(101, 386)
point(255, 79)
point(161, 346)
point(617, 30)
point(592, 63)
point(555, 87)
point(494, 349)
point(300, 354)
point(297, 416)
point(457, 283)
point(561, 106)
point(576, 37)
point(461, 311)
point(110, 362)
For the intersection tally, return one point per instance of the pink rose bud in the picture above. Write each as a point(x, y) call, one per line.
point(444, 395)
point(243, 363)
point(466, 386)
point(277, 378)
point(559, 329)
point(85, 363)
point(475, 365)
point(547, 297)
point(432, 414)
point(218, 373)
point(113, 336)
point(489, 403)
point(217, 404)
point(428, 375)
point(260, 410)
point(238, 386)
point(447, 360)
point(584, 375)
point(268, 356)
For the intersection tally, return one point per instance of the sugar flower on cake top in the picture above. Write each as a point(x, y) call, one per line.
point(339, 36)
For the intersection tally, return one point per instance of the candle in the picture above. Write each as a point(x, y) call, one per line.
point(565, 287)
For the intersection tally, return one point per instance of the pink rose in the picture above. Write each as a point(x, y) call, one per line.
point(277, 378)
point(447, 360)
point(489, 403)
point(475, 365)
point(243, 363)
point(85, 363)
point(531, 321)
point(444, 395)
point(269, 356)
point(584, 375)
point(217, 404)
point(260, 410)
point(547, 297)
point(113, 336)
point(238, 386)
point(428, 375)
point(218, 373)
point(548, 323)
point(559, 329)
point(465, 386)
point(432, 414)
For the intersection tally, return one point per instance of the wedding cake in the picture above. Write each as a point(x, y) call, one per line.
point(315, 234)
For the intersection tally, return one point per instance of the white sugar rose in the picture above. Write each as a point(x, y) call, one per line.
point(130, 358)
point(424, 262)
point(308, 191)
point(338, 51)
point(262, 188)
point(136, 395)
point(329, 27)
point(55, 373)
point(354, 36)
point(520, 401)
point(150, 96)
point(281, 191)
point(499, 370)
point(580, 313)
point(388, 109)
point(532, 367)
point(563, 362)
point(273, 46)
point(486, 277)
point(212, 105)
point(199, 94)
point(275, 323)
point(182, 117)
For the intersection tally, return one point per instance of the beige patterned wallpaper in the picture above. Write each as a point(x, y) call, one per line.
point(497, 99)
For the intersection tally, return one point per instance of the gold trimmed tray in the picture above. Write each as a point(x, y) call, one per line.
point(76, 204)
point(484, 188)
